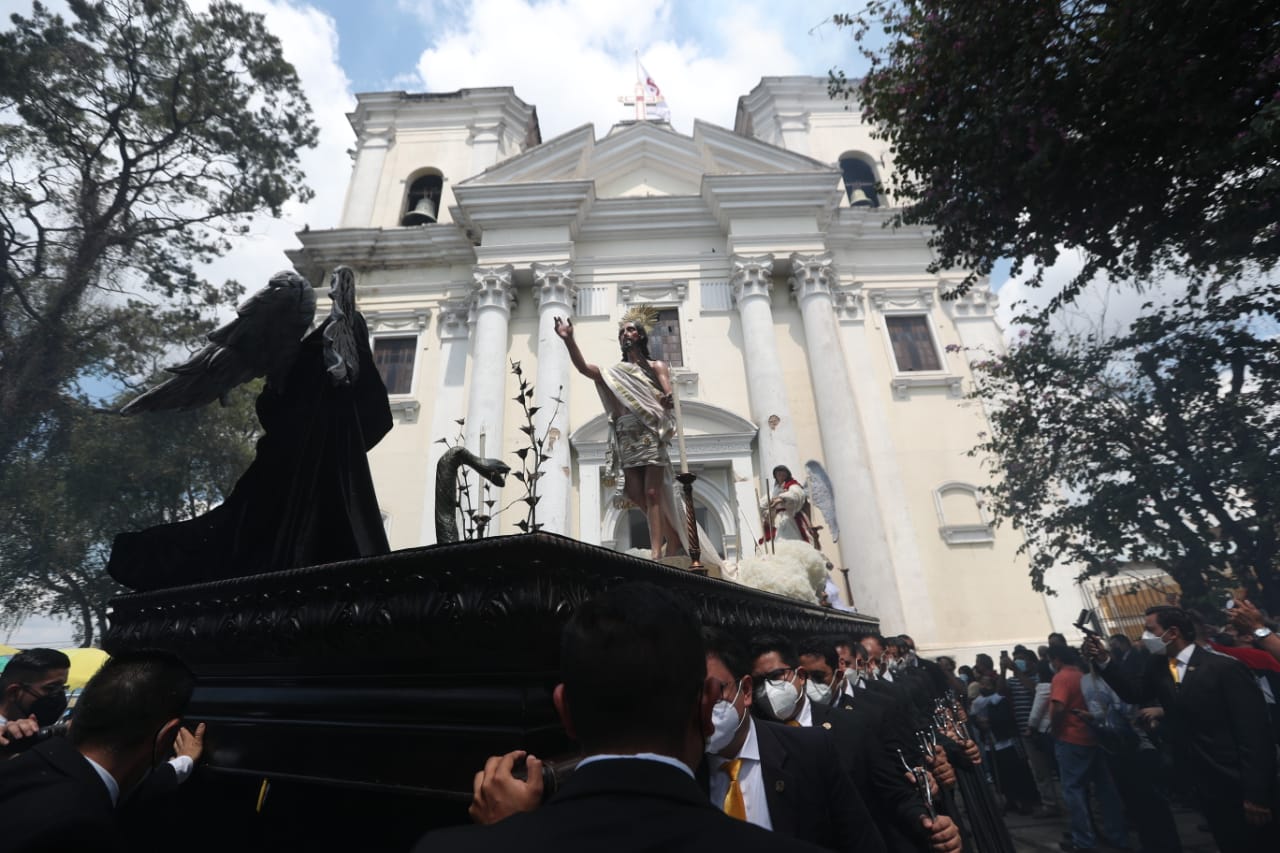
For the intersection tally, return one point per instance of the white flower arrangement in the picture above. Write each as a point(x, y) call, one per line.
point(793, 568)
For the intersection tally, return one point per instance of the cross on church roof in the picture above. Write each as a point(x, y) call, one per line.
point(640, 100)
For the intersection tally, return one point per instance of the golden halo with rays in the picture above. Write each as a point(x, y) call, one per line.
point(644, 316)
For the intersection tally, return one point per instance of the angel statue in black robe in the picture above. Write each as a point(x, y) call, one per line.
point(308, 497)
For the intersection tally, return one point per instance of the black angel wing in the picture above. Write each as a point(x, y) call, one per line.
point(262, 340)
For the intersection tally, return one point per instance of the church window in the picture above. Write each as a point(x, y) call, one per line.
point(664, 340)
point(394, 359)
point(912, 340)
point(422, 203)
point(859, 182)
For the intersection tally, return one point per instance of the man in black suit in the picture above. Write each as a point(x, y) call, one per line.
point(1210, 709)
point(787, 779)
point(636, 696)
point(877, 773)
point(62, 794)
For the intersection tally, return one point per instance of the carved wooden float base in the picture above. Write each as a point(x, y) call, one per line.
point(381, 685)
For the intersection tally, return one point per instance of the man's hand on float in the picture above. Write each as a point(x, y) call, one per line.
point(944, 835)
point(16, 730)
point(498, 794)
point(973, 752)
point(190, 744)
point(1256, 814)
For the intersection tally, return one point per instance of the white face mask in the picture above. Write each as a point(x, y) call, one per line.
point(782, 697)
point(816, 692)
point(726, 720)
point(1155, 645)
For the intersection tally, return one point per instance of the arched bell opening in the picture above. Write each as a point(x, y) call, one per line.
point(422, 202)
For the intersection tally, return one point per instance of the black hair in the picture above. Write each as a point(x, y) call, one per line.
point(1121, 638)
point(819, 648)
point(31, 665)
point(724, 646)
point(784, 468)
point(983, 657)
point(1043, 671)
point(899, 645)
point(1173, 617)
point(1062, 640)
point(1026, 654)
point(130, 698)
point(765, 643)
point(633, 634)
point(642, 343)
point(1065, 654)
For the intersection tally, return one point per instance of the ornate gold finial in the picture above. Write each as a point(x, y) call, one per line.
point(644, 316)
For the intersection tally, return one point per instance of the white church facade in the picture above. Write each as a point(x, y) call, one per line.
point(796, 326)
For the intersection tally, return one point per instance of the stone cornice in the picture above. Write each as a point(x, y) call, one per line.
point(808, 194)
point(497, 108)
point(382, 248)
point(533, 205)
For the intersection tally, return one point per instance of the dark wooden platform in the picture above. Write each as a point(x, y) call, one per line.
point(381, 685)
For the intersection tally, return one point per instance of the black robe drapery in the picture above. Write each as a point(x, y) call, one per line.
point(306, 499)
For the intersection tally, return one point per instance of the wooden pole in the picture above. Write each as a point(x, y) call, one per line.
point(686, 479)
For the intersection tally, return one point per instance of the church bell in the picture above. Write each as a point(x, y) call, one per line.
point(859, 198)
point(423, 213)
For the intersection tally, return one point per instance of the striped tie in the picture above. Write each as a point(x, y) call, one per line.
point(734, 805)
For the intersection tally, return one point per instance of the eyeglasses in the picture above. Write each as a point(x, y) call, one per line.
point(786, 673)
point(46, 690)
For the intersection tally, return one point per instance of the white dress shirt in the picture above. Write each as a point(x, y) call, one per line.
point(113, 787)
point(1183, 658)
point(641, 756)
point(750, 780)
point(805, 717)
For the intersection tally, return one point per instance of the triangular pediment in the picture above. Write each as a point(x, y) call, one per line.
point(646, 159)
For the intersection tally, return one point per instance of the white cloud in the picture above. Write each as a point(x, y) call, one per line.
point(1102, 306)
point(573, 58)
point(309, 40)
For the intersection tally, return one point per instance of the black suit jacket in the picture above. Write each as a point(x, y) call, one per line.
point(52, 801)
point(864, 738)
point(1216, 720)
point(808, 793)
point(618, 806)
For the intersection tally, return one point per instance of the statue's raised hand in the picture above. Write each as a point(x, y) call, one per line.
point(564, 328)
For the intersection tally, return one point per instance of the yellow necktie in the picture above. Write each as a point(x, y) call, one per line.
point(1173, 670)
point(734, 805)
point(793, 723)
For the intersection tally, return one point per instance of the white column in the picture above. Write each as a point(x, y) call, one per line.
point(366, 177)
point(589, 502)
point(554, 290)
point(863, 546)
point(745, 489)
point(447, 406)
point(492, 297)
point(752, 283)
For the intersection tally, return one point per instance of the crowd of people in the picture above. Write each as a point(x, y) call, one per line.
point(707, 738)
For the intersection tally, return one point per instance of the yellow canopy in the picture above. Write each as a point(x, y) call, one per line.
point(84, 663)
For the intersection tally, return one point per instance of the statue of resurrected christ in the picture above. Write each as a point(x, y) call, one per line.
point(636, 393)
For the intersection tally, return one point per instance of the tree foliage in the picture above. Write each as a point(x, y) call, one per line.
point(1160, 444)
point(135, 138)
point(1145, 133)
point(99, 474)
